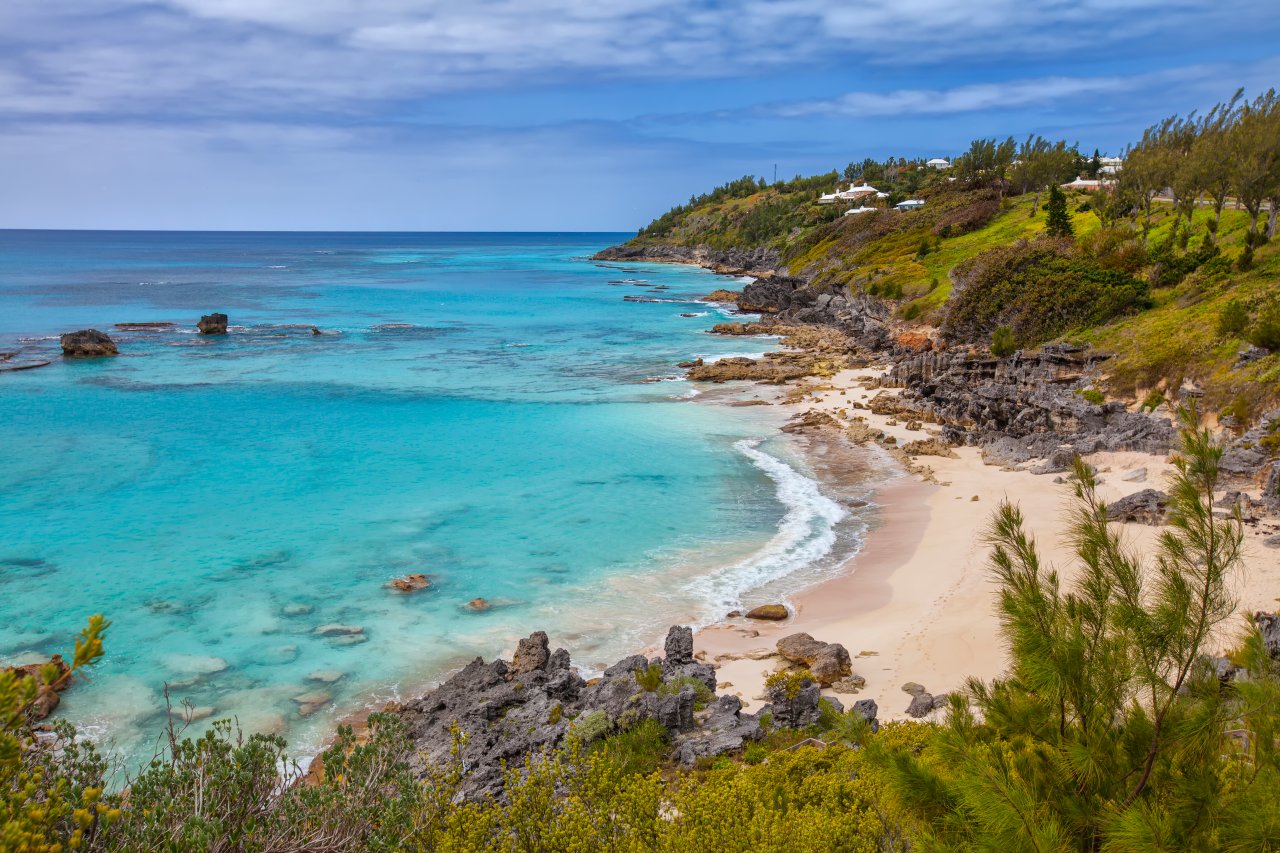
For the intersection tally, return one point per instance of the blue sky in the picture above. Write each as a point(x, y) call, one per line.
point(557, 114)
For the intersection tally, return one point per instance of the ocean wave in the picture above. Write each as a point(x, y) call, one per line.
point(805, 535)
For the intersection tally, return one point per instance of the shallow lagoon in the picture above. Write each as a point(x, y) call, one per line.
point(477, 407)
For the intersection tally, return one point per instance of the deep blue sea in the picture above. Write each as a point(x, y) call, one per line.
point(478, 407)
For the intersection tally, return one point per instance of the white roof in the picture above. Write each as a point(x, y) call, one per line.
point(863, 209)
point(911, 202)
point(941, 160)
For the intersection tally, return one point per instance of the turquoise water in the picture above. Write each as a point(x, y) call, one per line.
point(481, 408)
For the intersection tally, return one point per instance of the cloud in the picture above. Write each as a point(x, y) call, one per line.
point(264, 58)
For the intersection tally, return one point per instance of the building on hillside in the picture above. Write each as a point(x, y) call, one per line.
point(856, 210)
point(939, 163)
point(1088, 184)
point(1110, 165)
point(829, 198)
point(857, 191)
point(910, 204)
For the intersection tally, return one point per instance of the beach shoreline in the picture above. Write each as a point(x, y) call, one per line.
point(915, 603)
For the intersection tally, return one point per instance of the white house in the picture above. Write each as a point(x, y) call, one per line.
point(856, 210)
point(828, 198)
point(857, 191)
point(1086, 184)
point(910, 204)
point(1110, 165)
point(939, 163)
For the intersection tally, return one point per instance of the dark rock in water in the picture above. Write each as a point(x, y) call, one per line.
point(47, 698)
point(1145, 507)
point(213, 324)
point(410, 583)
point(697, 362)
point(769, 612)
point(87, 343)
point(531, 654)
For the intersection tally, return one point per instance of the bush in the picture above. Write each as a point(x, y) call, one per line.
point(911, 311)
point(1232, 319)
point(703, 695)
point(1266, 329)
point(1152, 401)
point(649, 678)
point(1040, 290)
point(1093, 395)
point(1002, 342)
point(640, 749)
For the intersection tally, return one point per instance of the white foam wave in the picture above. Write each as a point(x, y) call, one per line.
point(805, 534)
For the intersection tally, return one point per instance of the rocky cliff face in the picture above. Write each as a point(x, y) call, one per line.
point(511, 711)
point(1024, 407)
point(757, 261)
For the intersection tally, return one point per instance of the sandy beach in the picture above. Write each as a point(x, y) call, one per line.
point(916, 603)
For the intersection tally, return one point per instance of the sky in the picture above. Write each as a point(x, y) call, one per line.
point(547, 115)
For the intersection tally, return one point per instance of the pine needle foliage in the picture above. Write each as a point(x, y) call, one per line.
point(1112, 731)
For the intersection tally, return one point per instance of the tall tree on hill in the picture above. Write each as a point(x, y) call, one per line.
point(1112, 730)
point(1211, 157)
point(1038, 164)
point(987, 161)
point(1057, 222)
point(1254, 150)
point(1095, 164)
point(1145, 174)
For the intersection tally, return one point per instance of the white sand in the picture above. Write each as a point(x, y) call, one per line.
point(918, 597)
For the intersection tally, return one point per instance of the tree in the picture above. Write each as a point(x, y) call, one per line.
point(1057, 221)
point(1253, 153)
point(1095, 164)
point(1112, 730)
point(1211, 155)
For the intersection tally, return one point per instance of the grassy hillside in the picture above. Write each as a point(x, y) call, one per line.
point(910, 259)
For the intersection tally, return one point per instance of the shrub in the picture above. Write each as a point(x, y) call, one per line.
point(591, 726)
point(1232, 319)
point(649, 678)
point(1057, 222)
point(639, 749)
point(1093, 395)
point(1002, 342)
point(1152, 401)
point(703, 695)
point(1112, 730)
point(911, 311)
point(789, 682)
point(1039, 289)
point(1266, 329)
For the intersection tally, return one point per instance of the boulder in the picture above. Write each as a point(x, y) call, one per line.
point(532, 654)
point(679, 645)
point(87, 343)
point(769, 612)
point(410, 583)
point(213, 324)
point(47, 698)
point(1145, 507)
point(827, 662)
point(921, 705)
point(1269, 625)
point(478, 605)
point(797, 710)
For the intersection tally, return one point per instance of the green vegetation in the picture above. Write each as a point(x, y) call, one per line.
point(1191, 217)
point(1003, 342)
point(1112, 730)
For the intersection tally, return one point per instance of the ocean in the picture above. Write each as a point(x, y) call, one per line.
point(486, 409)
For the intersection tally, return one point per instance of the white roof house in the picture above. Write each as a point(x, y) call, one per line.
point(828, 198)
point(1111, 161)
point(857, 191)
point(910, 204)
point(856, 210)
point(939, 163)
point(1086, 184)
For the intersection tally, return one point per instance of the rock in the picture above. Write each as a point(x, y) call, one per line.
point(296, 609)
point(733, 614)
point(326, 676)
point(349, 640)
point(335, 629)
point(1271, 541)
point(769, 612)
point(192, 713)
point(1137, 475)
point(313, 697)
point(697, 362)
point(47, 698)
point(213, 324)
point(1145, 507)
point(478, 605)
point(795, 711)
point(921, 705)
point(409, 583)
point(532, 654)
point(913, 688)
point(1269, 625)
point(679, 646)
point(868, 709)
point(194, 664)
point(827, 662)
point(726, 729)
point(722, 296)
point(928, 447)
point(850, 684)
point(87, 343)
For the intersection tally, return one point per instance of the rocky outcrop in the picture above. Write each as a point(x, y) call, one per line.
point(87, 343)
point(1025, 406)
point(864, 319)
point(1145, 507)
point(46, 698)
point(213, 324)
point(410, 583)
point(827, 662)
point(758, 261)
point(510, 711)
